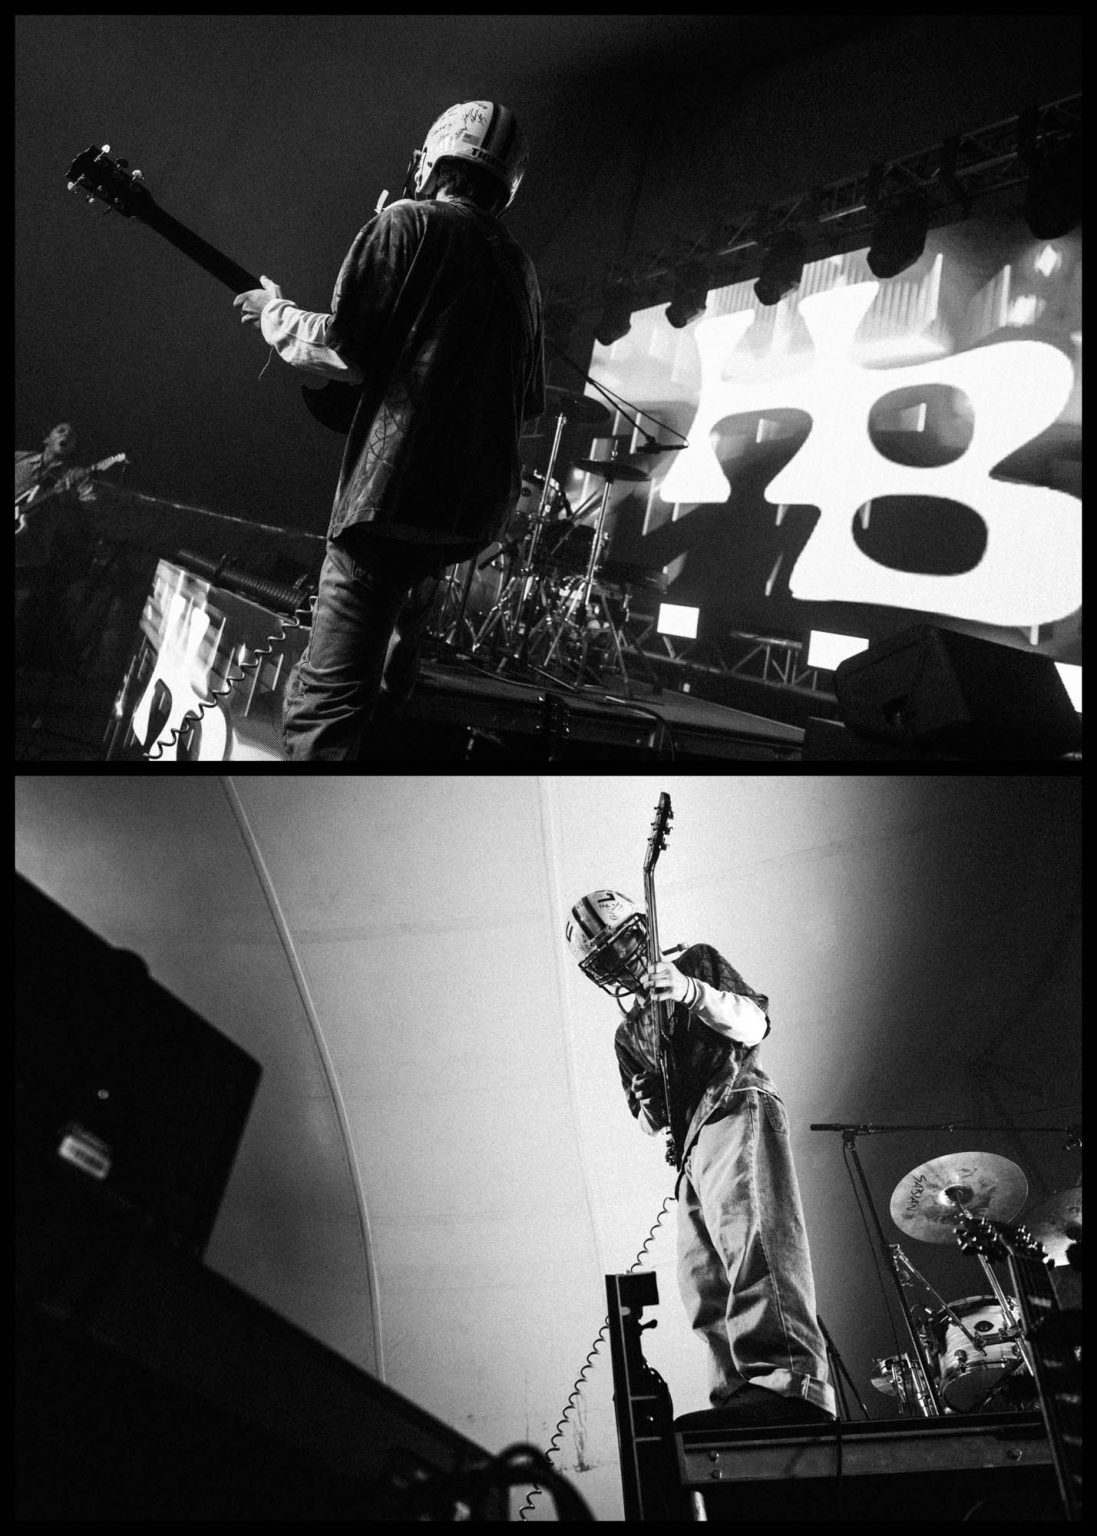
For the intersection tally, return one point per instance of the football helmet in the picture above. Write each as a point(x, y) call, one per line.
point(607, 934)
point(481, 132)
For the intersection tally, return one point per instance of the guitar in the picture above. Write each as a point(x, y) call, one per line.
point(111, 182)
point(32, 498)
point(1054, 1341)
point(663, 1013)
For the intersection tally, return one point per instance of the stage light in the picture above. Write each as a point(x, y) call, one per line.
point(1053, 197)
point(826, 651)
point(690, 296)
point(616, 317)
point(782, 267)
point(898, 237)
point(675, 620)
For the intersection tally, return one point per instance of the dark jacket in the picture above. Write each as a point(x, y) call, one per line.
point(441, 311)
point(705, 1067)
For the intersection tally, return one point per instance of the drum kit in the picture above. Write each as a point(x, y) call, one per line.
point(973, 1349)
point(544, 597)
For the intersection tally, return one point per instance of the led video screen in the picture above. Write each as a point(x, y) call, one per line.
point(866, 454)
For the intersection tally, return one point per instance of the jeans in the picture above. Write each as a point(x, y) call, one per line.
point(362, 658)
point(744, 1270)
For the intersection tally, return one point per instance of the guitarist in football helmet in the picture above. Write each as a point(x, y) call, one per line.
point(744, 1269)
point(435, 340)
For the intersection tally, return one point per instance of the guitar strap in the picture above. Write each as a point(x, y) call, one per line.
point(505, 268)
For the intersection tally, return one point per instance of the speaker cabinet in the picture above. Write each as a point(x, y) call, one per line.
point(934, 690)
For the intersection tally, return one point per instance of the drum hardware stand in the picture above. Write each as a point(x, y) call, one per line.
point(451, 639)
point(912, 1273)
point(577, 614)
point(570, 407)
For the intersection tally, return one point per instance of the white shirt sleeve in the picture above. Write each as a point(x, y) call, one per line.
point(738, 1018)
point(300, 337)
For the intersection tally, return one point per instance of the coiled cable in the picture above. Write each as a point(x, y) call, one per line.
point(553, 1445)
point(300, 596)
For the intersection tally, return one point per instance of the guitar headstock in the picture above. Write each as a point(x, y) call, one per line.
point(660, 831)
point(109, 181)
point(996, 1241)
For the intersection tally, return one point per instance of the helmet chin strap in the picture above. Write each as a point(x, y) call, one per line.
point(409, 180)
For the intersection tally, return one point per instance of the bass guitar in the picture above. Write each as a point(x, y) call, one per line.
point(112, 182)
point(662, 1013)
point(1053, 1338)
point(31, 499)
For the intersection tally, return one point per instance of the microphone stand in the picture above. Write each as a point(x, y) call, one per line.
point(839, 1371)
point(930, 1403)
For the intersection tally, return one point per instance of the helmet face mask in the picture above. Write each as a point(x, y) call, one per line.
point(619, 957)
point(607, 934)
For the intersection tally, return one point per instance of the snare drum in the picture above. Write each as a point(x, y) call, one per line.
point(970, 1373)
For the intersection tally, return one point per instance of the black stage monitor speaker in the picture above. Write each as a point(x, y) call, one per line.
point(937, 690)
point(118, 1082)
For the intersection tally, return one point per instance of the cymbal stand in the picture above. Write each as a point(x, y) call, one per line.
point(577, 612)
point(521, 584)
point(447, 631)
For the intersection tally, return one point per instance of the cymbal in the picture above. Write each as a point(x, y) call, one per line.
point(1048, 1223)
point(609, 469)
point(924, 1202)
point(574, 407)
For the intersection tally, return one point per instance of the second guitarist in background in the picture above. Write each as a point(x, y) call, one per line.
point(744, 1269)
point(48, 549)
point(437, 317)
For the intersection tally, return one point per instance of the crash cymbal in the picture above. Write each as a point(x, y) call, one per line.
point(924, 1202)
point(1056, 1223)
point(609, 469)
point(575, 407)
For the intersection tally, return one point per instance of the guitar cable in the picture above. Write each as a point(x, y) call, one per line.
point(553, 1445)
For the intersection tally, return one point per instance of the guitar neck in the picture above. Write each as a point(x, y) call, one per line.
point(653, 922)
point(215, 262)
point(1052, 1337)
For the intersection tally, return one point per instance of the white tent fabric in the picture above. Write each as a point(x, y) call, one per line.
point(440, 1167)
